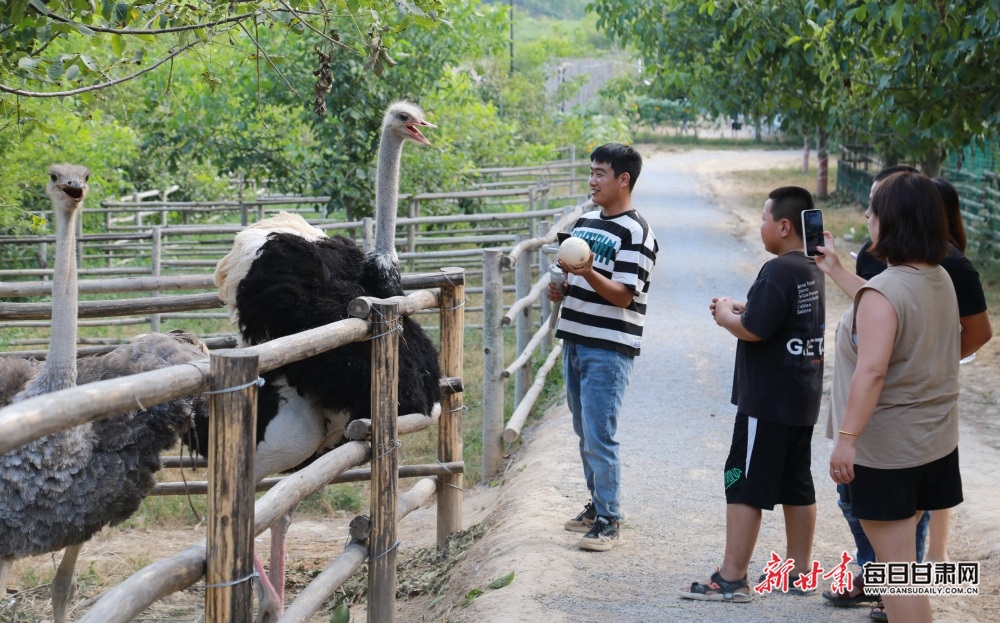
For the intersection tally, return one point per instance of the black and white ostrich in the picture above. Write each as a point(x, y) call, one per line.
point(58, 491)
point(284, 276)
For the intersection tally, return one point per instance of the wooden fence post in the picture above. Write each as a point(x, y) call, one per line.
point(522, 287)
point(157, 263)
point(493, 365)
point(546, 304)
point(449, 493)
point(385, 461)
point(229, 553)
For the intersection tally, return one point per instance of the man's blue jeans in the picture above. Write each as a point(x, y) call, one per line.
point(596, 379)
point(866, 553)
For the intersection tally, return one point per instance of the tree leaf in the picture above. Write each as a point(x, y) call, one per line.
point(501, 581)
point(341, 614)
point(39, 6)
point(27, 63)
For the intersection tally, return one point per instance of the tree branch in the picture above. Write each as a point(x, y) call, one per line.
point(316, 30)
point(270, 62)
point(155, 31)
point(103, 85)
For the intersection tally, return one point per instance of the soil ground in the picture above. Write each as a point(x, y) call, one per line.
point(517, 526)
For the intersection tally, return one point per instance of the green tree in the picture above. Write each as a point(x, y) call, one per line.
point(918, 76)
point(59, 48)
point(729, 57)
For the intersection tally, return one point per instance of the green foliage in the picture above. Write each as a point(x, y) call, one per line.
point(917, 77)
point(243, 104)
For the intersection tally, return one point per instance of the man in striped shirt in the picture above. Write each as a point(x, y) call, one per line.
point(603, 310)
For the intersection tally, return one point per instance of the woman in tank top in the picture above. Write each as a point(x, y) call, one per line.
point(894, 403)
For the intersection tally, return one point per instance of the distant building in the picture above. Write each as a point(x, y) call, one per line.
point(598, 73)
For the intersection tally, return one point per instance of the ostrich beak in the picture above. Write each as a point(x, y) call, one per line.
point(415, 133)
point(73, 191)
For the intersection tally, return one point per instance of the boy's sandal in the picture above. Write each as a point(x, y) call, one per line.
point(878, 613)
point(718, 589)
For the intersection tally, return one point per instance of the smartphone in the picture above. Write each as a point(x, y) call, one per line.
point(812, 231)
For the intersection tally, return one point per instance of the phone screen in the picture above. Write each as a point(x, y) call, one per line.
point(812, 231)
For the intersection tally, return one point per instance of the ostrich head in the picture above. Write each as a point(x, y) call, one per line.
point(67, 186)
point(402, 120)
point(401, 123)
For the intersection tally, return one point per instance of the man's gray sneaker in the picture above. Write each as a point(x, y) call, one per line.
point(602, 536)
point(583, 521)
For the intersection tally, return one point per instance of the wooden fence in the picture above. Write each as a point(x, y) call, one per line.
point(529, 338)
point(225, 557)
point(979, 194)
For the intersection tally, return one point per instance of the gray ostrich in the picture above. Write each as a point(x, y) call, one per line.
point(284, 276)
point(58, 491)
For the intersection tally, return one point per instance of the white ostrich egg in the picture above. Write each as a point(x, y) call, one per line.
point(574, 251)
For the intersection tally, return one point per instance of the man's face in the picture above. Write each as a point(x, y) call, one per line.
point(605, 188)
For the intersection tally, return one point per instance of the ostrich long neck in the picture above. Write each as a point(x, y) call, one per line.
point(60, 366)
point(390, 151)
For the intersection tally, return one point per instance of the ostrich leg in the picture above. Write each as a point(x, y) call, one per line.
point(269, 605)
point(64, 584)
point(272, 591)
point(277, 572)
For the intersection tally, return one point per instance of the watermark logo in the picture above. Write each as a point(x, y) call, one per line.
point(922, 578)
point(880, 578)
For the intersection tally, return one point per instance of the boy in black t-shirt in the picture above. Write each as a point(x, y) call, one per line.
point(777, 383)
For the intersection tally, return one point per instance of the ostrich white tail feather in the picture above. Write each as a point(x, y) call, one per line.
point(232, 268)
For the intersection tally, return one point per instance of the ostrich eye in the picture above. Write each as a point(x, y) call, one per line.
point(404, 116)
point(86, 178)
point(52, 176)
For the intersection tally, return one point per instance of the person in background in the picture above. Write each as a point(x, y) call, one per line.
point(603, 312)
point(976, 327)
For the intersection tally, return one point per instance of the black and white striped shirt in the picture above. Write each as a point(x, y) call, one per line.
point(624, 251)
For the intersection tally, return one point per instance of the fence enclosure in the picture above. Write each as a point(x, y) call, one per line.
point(234, 519)
point(161, 262)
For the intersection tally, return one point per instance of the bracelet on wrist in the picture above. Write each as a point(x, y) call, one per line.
point(844, 432)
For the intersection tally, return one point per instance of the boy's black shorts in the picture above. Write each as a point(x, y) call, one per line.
point(769, 463)
point(894, 494)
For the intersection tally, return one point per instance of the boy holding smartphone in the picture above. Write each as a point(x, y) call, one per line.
point(777, 383)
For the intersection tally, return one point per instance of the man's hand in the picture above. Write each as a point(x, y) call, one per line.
point(555, 293)
point(723, 305)
point(582, 270)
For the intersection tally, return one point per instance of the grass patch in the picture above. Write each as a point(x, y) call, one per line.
point(691, 140)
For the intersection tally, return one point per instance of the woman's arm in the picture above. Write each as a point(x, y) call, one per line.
point(876, 323)
point(976, 331)
point(829, 263)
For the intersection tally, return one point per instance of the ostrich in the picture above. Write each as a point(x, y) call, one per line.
point(58, 491)
point(284, 276)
